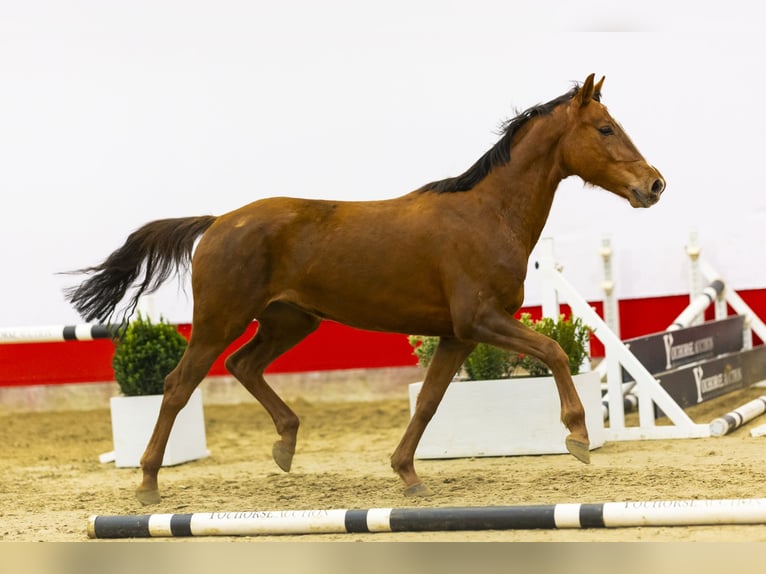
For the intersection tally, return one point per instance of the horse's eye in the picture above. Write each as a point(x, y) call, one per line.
point(606, 130)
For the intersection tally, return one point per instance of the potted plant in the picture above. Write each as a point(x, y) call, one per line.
point(144, 354)
point(503, 403)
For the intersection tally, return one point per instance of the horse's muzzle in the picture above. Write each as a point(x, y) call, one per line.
point(648, 198)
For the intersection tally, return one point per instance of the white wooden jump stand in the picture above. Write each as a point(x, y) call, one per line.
point(706, 287)
point(702, 271)
point(649, 391)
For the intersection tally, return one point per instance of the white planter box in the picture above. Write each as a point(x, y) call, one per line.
point(133, 420)
point(506, 417)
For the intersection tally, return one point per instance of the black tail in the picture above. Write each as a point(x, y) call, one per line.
point(159, 249)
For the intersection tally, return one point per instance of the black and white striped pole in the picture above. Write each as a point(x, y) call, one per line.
point(275, 522)
point(709, 295)
point(55, 333)
point(734, 419)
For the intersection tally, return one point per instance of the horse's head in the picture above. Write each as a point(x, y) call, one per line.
point(596, 148)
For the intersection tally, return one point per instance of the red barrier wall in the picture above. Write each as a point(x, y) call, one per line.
point(332, 346)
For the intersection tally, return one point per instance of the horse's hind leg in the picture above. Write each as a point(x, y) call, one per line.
point(280, 327)
point(209, 339)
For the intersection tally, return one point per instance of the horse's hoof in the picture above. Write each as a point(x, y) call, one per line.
point(579, 449)
point(418, 490)
point(282, 455)
point(148, 497)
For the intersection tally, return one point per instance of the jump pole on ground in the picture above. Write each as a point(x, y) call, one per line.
point(570, 515)
point(734, 419)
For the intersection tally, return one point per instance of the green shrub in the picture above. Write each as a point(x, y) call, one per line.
point(423, 348)
point(145, 353)
point(571, 334)
point(489, 362)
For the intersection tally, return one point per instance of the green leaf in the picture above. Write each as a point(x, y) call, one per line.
point(488, 362)
point(145, 354)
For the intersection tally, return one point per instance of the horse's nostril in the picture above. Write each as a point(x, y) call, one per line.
point(658, 186)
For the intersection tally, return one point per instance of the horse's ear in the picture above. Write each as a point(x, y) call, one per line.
point(597, 89)
point(586, 91)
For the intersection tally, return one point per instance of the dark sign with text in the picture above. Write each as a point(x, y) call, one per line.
point(668, 350)
point(709, 379)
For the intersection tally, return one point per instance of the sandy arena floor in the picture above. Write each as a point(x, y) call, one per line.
point(52, 480)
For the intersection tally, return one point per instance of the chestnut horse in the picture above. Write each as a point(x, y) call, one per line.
point(448, 259)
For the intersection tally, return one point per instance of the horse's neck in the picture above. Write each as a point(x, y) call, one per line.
point(524, 187)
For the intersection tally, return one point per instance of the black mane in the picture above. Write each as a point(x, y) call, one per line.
point(499, 154)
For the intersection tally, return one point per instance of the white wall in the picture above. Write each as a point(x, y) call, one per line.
point(113, 114)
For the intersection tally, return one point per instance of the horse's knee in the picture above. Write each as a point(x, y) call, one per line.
point(554, 356)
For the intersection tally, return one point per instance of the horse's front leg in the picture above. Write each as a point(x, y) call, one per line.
point(498, 327)
point(449, 356)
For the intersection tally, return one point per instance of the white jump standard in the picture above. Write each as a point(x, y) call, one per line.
point(550, 516)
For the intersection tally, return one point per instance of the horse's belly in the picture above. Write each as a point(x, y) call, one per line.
point(390, 313)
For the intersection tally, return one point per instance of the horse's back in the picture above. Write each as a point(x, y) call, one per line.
point(298, 222)
point(360, 263)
